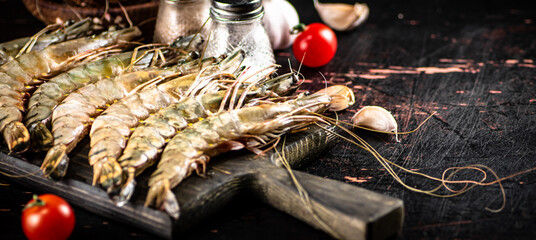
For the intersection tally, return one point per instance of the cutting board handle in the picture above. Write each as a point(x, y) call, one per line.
point(342, 210)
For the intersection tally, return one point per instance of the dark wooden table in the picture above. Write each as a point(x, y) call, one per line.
point(472, 62)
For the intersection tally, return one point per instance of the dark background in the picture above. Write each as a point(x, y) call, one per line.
point(485, 100)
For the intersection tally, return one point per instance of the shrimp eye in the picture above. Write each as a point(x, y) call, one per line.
point(194, 55)
point(295, 78)
point(68, 23)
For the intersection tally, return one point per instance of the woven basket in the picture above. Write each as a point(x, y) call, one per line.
point(49, 11)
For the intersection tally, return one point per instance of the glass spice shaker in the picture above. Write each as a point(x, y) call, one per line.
point(238, 24)
point(177, 18)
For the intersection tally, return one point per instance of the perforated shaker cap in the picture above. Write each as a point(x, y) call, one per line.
point(236, 10)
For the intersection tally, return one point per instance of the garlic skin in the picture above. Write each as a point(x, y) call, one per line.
point(279, 18)
point(376, 118)
point(341, 16)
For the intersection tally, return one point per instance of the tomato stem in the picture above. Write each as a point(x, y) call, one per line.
point(298, 29)
point(37, 202)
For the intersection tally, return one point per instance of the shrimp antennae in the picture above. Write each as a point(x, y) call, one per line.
point(197, 33)
point(204, 49)
point(75, 12)
point(304, 195)
point(248, 88)
point(237, 86)
point(443, 180)
point(106, 9)
point(125, 13)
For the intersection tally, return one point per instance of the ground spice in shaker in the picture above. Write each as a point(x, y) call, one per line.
point(177, 18)
point(238, 24)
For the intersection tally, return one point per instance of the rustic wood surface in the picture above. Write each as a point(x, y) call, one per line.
point(345, 211)
point(471, 61)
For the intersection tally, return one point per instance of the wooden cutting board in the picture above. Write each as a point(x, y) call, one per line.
point(348, 212)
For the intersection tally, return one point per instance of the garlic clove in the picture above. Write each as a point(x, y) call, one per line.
point(341, 97)
point(341, 16)
point(376, 118)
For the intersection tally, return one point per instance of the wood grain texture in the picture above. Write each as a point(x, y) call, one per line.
point(342, 210)
point(486, 104)
point(473, 63)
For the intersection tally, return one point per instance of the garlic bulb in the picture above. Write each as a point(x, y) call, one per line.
point(340, 16)
point(376, 118)
point(279, 18)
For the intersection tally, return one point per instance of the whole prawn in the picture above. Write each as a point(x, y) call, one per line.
point(149, 139)
point(43, 38)
point(110, 130)
point(72, 118)
point(49, 94)
point(249, 127)
point(17, 78)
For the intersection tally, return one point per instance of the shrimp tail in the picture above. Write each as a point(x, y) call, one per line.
point(163, 198)
point(171, 205)
point(135, 159)
point(108, 173)
point(42, 138)
point(124, 194)
point(56, 162)
point(17, 137)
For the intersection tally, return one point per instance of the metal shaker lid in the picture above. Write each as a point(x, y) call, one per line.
point(236, 10)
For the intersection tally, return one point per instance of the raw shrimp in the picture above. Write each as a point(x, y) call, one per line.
point(52, 92)
point(43, 39)
point(149, 139)
point(17, 75)
point(110, 130)
point(72, 118)
point(248, 127)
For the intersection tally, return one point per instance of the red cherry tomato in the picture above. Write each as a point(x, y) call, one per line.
point(318, 43)
point(47, 217)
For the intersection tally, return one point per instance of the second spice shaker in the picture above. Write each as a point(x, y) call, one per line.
point(177, 18)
